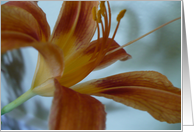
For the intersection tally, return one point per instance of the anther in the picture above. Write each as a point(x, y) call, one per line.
point(102, 8)
point(94, 13)
point(121, 14)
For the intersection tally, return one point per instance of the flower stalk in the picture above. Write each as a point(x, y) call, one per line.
point(23, 98)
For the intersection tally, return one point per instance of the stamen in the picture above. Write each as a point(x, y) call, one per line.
point(103, 46)
point(107, 22)
point(142, 36)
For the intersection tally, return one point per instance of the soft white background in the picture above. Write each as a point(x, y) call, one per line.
point(160, 51)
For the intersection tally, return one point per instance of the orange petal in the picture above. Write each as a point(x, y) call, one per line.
point(51, 54)
point(145, 90)
point(75, 27)
point(74, 111)
point(25, 17)
point(112, 57)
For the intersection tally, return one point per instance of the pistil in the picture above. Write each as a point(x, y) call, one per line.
point(142, 36)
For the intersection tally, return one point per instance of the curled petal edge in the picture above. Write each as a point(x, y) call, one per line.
point(51, 53)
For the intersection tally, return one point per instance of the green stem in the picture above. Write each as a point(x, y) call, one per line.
point(24, 97)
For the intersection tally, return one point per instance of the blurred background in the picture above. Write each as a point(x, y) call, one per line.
point(160, 51)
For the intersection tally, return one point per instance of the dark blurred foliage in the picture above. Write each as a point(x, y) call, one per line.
point(12, 69)
point(12, 64)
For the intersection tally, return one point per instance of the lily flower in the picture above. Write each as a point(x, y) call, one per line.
point(67, 56)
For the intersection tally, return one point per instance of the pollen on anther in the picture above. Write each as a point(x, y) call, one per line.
point(121, 14)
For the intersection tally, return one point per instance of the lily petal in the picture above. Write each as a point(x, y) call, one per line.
point(145, 90)
point(75, 27)
point(37, 13)
point(19, 19)
point(74, 111)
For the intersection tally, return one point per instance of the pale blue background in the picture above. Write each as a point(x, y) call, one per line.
point(160, 51)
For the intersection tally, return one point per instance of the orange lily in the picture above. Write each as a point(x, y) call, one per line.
point(67, 56)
